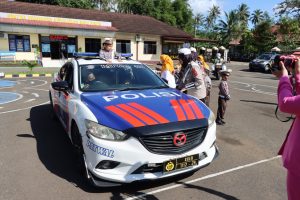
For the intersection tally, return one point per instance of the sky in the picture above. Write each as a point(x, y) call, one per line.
point(202, 6)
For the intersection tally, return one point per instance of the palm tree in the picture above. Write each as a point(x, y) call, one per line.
point(256, 17)
point(229, 28)
point(213, 13)
point(199, 20)
point(243, 14)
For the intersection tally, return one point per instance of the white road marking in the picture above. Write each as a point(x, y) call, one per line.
point(36, 95)
point(1, 107)
point(38, 89)
point(20, 97)
point(31, 82)
point(10, 111)
point(202, 178)
point(29, 100)
point(253, 84)
point(25, 92)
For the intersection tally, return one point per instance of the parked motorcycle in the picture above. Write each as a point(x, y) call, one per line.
point(216, 68)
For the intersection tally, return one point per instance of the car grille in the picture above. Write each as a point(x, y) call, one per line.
point(163, 143)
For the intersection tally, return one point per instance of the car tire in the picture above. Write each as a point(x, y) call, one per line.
point(80, 155)
point(251, 69)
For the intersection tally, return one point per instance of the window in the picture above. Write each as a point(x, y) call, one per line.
point(149, 47)
point(20, 43)
point(45, 40)
point(92, 45)
point(71, 46)
point(123, 46)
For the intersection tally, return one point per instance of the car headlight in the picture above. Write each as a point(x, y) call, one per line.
point(103, 132)
point(211, 119)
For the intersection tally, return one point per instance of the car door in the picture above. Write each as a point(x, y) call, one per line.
point(64, 97)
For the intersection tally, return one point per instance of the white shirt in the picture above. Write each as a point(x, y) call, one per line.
point(169, 77)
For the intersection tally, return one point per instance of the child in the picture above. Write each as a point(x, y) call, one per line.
point(167, 70)
point(224, 96)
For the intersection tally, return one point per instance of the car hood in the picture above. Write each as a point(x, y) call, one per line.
point(260, 60)
point(122, 110)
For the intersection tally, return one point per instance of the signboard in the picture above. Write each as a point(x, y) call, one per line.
point(53, 19)
point(58, 37)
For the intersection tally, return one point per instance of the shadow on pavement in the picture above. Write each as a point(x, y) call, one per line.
point(56, 153)
point(259, 102)
point(209, 190)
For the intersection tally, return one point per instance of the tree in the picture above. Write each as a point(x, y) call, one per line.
point(85, 4)
point(264, 39)
point(198, 21)
point(183, 14)
point(243, 15)
point(289, 31)
point(248, 44)
point(213, 14)
point(256, 17)
point(289, 7)
point(230, 28)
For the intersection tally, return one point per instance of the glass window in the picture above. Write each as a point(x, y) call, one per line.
point(123, 46)
point(46, 51)
point(149, 47)
point(108, 77)
point(20, 43)
point(92, 45)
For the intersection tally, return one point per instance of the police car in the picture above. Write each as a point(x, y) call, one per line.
point(127, 125)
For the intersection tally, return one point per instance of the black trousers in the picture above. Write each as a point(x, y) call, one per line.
point(222, 104)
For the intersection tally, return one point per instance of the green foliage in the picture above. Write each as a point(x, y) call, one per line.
point(29, 64)
point(289, 7)
point(256, 17)
point(290, 33)
point(264, 39)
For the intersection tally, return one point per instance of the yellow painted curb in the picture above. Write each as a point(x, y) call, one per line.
point(48, 75)
point(8, 76)
point(35, 75)
point(22, 75)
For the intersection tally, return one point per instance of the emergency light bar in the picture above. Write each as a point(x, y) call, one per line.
point(85, 54)
point(126, 55)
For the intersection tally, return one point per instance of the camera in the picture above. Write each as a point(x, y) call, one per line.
point(288, 60)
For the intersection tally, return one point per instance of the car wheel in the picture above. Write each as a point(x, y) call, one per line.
point(80, 155)
point(251, 69)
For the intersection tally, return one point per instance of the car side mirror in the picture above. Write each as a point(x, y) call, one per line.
point(60, 86)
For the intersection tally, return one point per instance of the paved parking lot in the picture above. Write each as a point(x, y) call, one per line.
point(37, 161)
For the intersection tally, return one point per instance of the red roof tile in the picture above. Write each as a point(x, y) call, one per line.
point(123, 22)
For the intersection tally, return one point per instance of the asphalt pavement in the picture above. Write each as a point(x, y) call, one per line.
point(37, 161)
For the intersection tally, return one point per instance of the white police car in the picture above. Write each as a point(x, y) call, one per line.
point(127, 125)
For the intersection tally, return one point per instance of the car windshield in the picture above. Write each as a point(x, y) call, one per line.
point(264, 57)
point(109, 77)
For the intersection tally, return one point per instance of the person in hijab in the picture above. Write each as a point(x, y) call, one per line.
point(167, 70)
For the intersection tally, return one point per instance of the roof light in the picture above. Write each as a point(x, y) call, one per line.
point(85, 54)
point(126, 55)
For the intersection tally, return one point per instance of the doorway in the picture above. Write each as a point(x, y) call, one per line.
point(55, 49)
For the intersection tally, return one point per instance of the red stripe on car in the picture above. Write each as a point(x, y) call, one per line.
point(188, 110)
point(124, 115)
point(138, 114)
point(150, 112)
point(179, 112)
point(196, 109)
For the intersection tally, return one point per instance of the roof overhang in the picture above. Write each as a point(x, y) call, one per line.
point(57, 22)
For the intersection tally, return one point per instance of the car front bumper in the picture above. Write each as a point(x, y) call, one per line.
point(133, 156)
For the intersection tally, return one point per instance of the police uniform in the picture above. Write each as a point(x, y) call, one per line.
point(224, 96)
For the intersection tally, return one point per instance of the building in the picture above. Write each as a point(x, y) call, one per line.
point(56, 32)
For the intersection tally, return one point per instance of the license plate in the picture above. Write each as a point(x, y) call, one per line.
point(180, 163)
